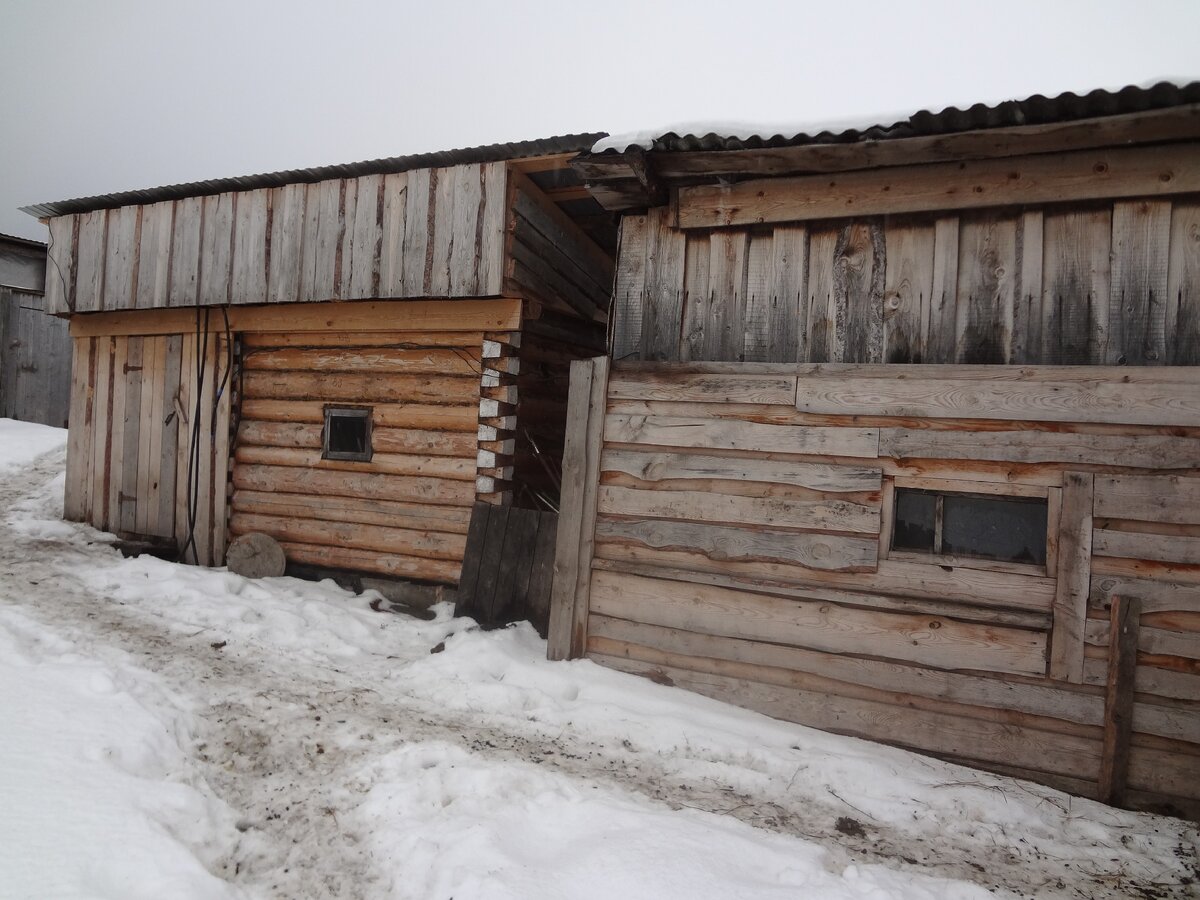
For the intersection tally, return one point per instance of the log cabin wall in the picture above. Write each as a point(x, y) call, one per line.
point(405, 512)
point(131, 453)
point(456, 412)
point(1091, 258)
point(736, 539)
point(421, 233)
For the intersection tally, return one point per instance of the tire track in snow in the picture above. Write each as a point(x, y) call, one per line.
point(288, 755)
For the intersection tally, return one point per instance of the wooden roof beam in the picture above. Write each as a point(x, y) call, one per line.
point(617, 184)
point(1103, 174)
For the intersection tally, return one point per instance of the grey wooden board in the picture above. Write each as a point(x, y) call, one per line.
point(512, 575)
point(429, 232)
point(1137, 301)
point(469, 576)
point(541, 573)
point(508, 566)
point(35, 361)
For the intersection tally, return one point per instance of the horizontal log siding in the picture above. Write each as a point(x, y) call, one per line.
point(1114, 282)
point(425, 233)
point(738, 553)
point(133, 405)
point(406, 511)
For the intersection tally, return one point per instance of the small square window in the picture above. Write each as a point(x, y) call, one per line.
point(347, 433)
point(982, 526)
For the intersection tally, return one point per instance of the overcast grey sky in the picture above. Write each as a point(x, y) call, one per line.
point(107, 96)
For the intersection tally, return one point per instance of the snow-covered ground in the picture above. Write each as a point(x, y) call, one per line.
point(176, 732)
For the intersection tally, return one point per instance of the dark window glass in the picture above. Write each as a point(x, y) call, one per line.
point(347, 434)
point(915, 520)
point(1011, 529)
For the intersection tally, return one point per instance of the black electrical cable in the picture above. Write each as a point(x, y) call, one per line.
point(193, 472)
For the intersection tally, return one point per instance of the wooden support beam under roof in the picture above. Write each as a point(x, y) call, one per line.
point(615, 182)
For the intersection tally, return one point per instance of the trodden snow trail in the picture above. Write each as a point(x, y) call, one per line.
point(289, 736)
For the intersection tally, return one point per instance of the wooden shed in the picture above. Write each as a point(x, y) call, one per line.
point(899, 435)
point(347, 359)
point(35, 349)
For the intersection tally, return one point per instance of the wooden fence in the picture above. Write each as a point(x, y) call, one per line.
point(729, 528)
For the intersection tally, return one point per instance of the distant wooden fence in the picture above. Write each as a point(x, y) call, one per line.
point(728, 528)
point(35, 360)
point(509, 566)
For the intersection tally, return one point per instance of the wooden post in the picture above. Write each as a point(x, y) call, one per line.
point(577, 513)
point(1074, 577)
point(1118, 698)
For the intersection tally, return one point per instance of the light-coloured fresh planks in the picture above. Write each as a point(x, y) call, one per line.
point(367, 510)
point(354, 535)
point(437, 316)
point(383, 440)
point(460, 469)
point(427, 416)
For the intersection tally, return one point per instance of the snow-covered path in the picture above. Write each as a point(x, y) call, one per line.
point(322, 749)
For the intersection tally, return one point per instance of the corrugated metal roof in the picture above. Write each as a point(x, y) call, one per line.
point(566, 143)
point(1035, 110)
point(26, 242)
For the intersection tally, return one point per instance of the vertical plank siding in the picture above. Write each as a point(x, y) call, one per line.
point(35, 360)
point(127, 406)
point(1107, 284)
point(741, 547)
point(345, 239)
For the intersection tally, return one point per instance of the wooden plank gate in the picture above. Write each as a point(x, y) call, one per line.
point(508, 569)
point(35, 360)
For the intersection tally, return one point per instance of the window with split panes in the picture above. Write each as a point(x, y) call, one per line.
point(982, 526)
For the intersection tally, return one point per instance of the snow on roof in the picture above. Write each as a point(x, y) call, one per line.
point(734, 135)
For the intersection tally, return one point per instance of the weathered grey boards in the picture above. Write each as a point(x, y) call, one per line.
point(509, 567)
point(727, 528)
point(425, 233)
point(35, 360)
point(795, 270)
point(477, 230)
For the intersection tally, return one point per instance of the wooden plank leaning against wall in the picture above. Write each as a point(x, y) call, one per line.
point(740, 546)
point(134, 387)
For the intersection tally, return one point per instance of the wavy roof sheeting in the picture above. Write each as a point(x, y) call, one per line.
point(567, 143)
point(1035, 110)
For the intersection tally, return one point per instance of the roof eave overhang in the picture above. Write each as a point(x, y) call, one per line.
point(633, 179)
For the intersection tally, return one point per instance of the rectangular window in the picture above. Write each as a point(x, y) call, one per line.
point(347, 433)
point(941, 523)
